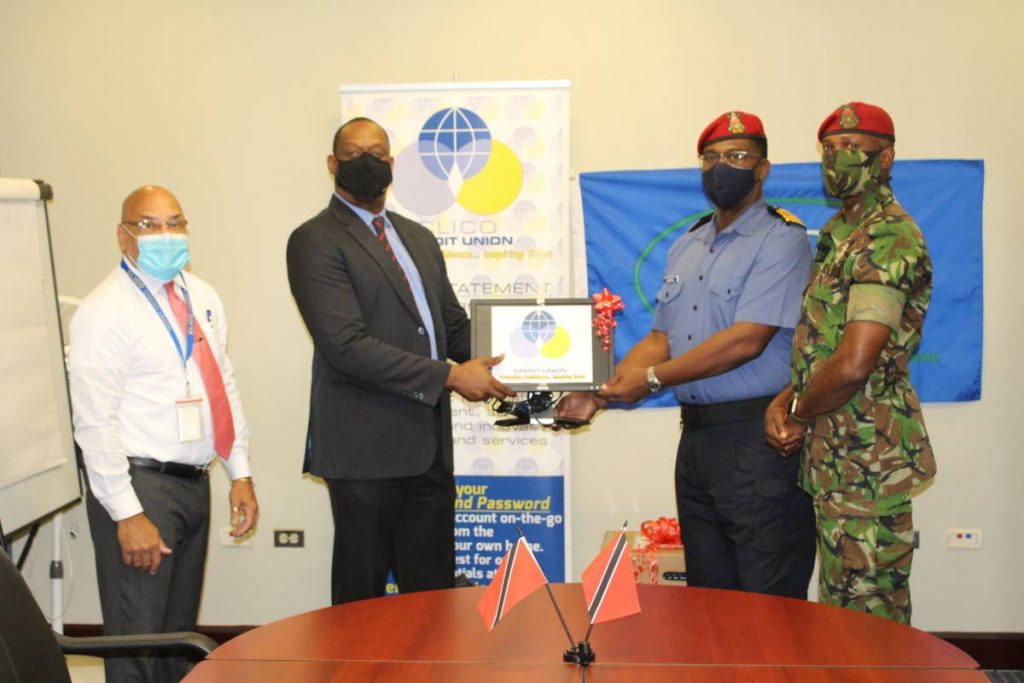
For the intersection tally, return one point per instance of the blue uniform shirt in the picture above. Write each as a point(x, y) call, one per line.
point(753, 271)
point(411, 272)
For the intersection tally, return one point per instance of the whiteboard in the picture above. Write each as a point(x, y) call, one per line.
point(38, 472)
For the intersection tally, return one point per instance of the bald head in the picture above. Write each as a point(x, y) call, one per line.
point(360, 126)
point(148, 201)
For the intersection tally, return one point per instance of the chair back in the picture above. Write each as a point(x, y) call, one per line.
point(28, 649)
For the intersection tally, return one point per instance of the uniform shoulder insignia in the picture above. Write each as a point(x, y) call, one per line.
point(785, 215)
point(700, 222)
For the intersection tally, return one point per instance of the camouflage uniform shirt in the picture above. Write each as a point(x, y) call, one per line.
point(864, 458)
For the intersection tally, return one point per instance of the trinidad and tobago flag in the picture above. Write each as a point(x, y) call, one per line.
point(517, 577)
point(608, 583)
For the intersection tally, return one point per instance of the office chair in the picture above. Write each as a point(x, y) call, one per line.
point(30, 651)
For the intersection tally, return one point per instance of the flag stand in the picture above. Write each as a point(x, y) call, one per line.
point(609, 576)
point(581, 654)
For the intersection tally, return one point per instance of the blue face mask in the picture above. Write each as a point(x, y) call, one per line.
point(163, 256)
point(725, 186)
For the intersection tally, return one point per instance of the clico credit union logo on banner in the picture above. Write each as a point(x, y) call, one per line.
point(539, 334)
point(456, 160)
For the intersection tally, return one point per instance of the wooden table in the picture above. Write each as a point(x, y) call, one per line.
point(682, 634)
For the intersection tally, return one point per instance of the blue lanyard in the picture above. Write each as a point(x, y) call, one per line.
point(190, 332)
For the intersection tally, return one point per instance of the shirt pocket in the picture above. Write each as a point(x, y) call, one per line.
point(726, 288)
point(669, 290)
point(208, 330)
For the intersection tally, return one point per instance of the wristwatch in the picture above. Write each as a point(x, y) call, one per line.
point(653, 383)
point(792, 412)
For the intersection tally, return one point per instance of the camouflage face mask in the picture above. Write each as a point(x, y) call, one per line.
point(848, 172)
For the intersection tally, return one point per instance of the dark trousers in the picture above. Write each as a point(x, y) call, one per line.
point(135, 602)
point(405, 524)
point(745, 524)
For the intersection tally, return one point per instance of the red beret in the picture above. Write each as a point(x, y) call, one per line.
point(858, 117)
point(732, 124)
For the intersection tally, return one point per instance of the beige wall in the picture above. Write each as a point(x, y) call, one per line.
point(231, 104)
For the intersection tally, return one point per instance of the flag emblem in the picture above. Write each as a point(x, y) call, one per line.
point(609, 585)
point(518, 576)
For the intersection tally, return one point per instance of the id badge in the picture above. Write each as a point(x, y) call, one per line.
point(190, 418)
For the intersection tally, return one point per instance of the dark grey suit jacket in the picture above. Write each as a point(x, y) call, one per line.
point(374, 386)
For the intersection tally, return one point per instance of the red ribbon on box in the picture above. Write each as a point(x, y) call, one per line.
point(657, 533)
point(607, 305)
point(663, 532)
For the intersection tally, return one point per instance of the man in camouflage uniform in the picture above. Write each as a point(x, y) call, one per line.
point(851, 405)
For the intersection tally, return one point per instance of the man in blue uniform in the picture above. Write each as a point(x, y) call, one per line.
point(722, 333)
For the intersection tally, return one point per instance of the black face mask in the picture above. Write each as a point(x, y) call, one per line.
point(366, 177)
point(725, 186)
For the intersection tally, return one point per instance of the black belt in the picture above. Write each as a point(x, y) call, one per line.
point(174, 469)
point(723, 413)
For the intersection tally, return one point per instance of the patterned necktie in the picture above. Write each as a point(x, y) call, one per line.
point(382, 237)
point(220, 408)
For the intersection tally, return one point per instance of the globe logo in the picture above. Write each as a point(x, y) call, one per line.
point(456, 159)
point(455, 138)
point(539, 334)
point(539, 327)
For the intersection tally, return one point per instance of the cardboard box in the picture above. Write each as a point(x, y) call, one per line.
point(671, 565)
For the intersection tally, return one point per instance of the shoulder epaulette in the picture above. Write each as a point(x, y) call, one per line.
point(701, 222)
point(785, 215)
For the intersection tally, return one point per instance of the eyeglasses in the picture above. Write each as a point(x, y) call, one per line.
point(737, 158)
point(149, 225)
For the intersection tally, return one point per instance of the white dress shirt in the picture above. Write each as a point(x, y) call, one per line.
point(125, 375)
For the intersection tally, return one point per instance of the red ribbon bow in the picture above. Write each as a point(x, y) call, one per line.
point(663, 531)
point(607, 305)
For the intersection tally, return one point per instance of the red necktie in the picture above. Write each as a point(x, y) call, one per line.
point(220, 408)
point(378, 225)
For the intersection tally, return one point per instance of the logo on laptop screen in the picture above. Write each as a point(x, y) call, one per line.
point(540, 334)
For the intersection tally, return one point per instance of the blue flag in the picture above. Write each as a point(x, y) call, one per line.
point(631, 219)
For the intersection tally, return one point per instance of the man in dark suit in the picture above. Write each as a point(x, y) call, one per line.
point(373, 290)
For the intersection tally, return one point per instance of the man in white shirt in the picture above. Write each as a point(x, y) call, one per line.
point(154, 401)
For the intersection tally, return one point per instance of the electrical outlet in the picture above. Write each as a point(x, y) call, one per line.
point(229, 541)
point(963, 539)
point(289, 538)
